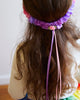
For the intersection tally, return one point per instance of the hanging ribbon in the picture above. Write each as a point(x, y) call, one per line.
point(59, 70)
point(47, 97)
point(58, 64)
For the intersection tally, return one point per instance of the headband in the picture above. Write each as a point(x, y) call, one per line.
point(52, 26)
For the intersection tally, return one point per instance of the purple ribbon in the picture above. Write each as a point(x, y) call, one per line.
point(58, 63)
point(47, 97)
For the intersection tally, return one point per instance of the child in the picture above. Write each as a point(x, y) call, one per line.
point(31, 76)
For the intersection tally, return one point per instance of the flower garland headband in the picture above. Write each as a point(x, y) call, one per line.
point(52, 26)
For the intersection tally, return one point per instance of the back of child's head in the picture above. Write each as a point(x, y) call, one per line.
point(36, 47)
point(47, 10)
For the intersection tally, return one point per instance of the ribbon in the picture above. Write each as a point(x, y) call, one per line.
point(58, 64)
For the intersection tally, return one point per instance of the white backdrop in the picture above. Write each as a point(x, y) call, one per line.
point(10, 33)
point(11, 30)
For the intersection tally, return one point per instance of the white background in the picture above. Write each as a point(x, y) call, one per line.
point(11, 30)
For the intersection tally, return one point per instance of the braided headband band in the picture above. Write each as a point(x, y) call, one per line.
point(52, 26)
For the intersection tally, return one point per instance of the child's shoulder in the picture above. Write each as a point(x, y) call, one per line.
point(17, 84)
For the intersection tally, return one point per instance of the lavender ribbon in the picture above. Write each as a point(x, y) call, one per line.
point(59, 70)
point(58, 63)
point(47, 97)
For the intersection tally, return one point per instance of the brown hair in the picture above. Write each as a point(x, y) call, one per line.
point(37, 43)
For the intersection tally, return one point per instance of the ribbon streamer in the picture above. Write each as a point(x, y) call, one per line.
point(47, 97)
point(58, 64)
point(59, 70)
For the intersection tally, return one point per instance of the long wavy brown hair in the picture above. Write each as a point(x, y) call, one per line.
point(36, 46)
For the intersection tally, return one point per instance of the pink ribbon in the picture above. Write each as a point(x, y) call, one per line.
point(58, 64)
point(59, 70)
